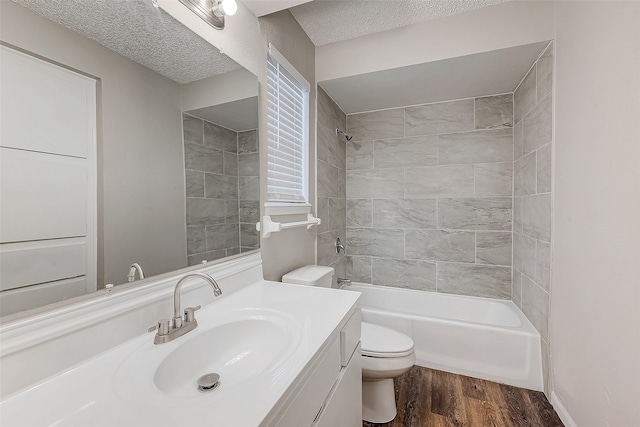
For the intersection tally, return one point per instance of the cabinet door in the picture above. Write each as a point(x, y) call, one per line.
point(344, 405)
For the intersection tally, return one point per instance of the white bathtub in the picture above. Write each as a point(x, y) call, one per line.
point(479, 337)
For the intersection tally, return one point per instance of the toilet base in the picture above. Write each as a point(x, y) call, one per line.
point(378, 401)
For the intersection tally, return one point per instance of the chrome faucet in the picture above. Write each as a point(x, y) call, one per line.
point(168, 330)
point(132, 272)
point(339, 246)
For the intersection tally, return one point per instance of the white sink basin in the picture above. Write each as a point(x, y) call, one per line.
point(241, 345)
point(236, 351)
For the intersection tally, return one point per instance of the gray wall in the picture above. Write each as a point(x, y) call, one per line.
point(141, 180)
point(532, 195)
point(429, 197)
point(331, 184)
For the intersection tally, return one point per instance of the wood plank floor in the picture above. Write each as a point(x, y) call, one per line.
point(430, 398)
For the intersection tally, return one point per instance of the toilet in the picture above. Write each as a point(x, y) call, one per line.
point(386, 353)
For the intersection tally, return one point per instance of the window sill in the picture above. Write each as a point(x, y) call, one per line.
point(283, 208)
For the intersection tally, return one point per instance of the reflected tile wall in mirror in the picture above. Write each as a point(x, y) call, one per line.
point(222, 197)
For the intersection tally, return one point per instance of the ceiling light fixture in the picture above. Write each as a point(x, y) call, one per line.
point(212, 11)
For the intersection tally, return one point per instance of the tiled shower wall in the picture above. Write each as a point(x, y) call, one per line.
point(331, 192)
point(222, 190)
point(429, 197)
point(532, 187)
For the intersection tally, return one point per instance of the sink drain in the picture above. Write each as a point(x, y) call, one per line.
point(208, 382)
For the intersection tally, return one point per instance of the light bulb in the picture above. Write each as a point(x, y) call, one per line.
point(228, 7)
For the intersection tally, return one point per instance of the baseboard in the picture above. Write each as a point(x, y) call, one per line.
point(562, 411)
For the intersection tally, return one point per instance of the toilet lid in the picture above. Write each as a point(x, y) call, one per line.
point(378, 341)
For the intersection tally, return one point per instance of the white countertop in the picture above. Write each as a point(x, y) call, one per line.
point(116, 388)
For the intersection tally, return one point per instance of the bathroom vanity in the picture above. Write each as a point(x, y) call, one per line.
point(286, 355)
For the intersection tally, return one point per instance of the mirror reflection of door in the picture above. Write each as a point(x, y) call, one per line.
point(48, 183)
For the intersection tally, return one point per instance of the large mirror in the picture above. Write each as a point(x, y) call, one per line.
point(129, 145)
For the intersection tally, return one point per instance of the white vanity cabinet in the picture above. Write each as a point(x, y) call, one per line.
point(329, 392)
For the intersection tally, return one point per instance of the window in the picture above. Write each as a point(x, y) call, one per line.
point(287, 131)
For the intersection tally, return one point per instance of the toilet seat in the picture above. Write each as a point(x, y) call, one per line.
point(378, 341)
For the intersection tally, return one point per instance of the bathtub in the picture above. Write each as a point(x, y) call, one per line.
point(479, 337)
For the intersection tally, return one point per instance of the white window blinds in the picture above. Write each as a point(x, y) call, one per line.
point(287, 132)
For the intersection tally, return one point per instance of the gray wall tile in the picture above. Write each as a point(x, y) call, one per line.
point(248, 237)
point(249, 187)
point(537, 126)
point(232, 208)
point(494, 179)
point(196, 239)
point(517, 215)
point(543, 166)
point(327, 248)
point(249, 211)
point(492, 213)
point(222, 236)
point(201, 158)
point(443, 117)
point(402, 273)
point(220, 186)
point(404, 213)
point(415, 151)
point(516, 289)
point(483, 146)
point(194, 183)
point(380, 183)
point(536, 216)
point(493, 248)
point(524, 254)
point(543, 265)
point(359, 213)
point(360, 155)
point(338, 215)
point(359, 268)
point(329, 113)
point(518, 141)
point(248, 164)
point(524, 180)
point(535, 305)
point(327, 180)
point(230, 164)
point(544, 71)
point(193, 129)
point(376, 125)
point(248, 141)
point(205, 211)
point(322, 212)
point(331, 148)
point(379, 243)
point(494, 111)
point(524, 98)
point(220, 138)
point(439, 181)
point(440, 245)
point(475, 280)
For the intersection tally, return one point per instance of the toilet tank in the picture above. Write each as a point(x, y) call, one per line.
point(312, 275)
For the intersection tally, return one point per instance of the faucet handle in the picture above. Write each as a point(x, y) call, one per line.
point(189, 313)
point(162, 327)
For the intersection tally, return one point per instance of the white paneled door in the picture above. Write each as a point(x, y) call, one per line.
point(47, 182)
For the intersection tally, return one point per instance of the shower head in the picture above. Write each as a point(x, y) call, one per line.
point(346, 136)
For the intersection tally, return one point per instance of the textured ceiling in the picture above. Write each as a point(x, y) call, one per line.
point(141, 32)
point(329, 21)
point(482, 74)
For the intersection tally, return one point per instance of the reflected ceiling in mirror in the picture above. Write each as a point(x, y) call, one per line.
point(153, 76)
